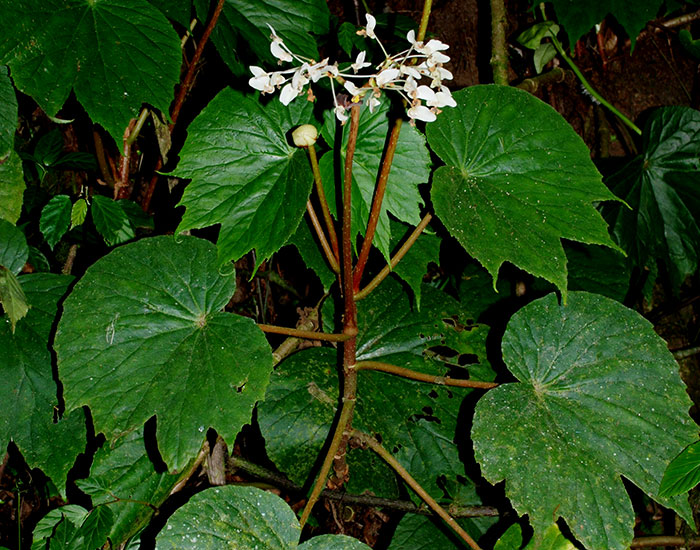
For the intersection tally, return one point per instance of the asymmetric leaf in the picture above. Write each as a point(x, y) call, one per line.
point(28, 391)
point(245, 175)
point(143, 333)
point(233, 517)
point(410, 168)
point(115, 54)
point(662, 187)
point(518, 179)
point(246, 21)
point(8, 115)
point(599, 397)
point(578, 18)
point(125, 472)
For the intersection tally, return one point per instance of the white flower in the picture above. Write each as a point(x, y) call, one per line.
point(410, 71)
point(340, 113)
point(371, 23)
point(421, 112)
point(277, 79)
point(443, 98)
point(437, 57)
point(261, 80)
point(288, 93)
point(277, 47)
point(360, 62)
point(350, 87)
point(387, 76)
point(411, 36)
point(431, 47)
point(318, 70)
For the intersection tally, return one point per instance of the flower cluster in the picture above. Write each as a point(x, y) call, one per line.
point(401, 72)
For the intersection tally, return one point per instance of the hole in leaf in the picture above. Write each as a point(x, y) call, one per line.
point(467, 359)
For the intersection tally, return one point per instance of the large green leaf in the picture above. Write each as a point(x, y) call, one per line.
point(115, 54)
point(518, 179)
point(245, 175)
point(11, 188)
point(416, 420)
point(28, 391)
point(124, 479)
point(599, 397)
point(306, 243)
point(662, 187)
point(8, 115)
point(242, 517)
point(246, 22)
point(580, 17)
point(179, 11)
point(143, 333)
point(411, 167)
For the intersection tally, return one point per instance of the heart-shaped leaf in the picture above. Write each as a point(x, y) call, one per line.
point(11, 188)
point(110, 220)
point(245, 175)
point(115, 54)
point(143, 333)
point(662, 187)
point(55, 219)
point(518, 179)
point(599, 397)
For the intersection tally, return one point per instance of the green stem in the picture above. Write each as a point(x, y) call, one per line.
point(308, 334)
point(422, 376)
point(424, 18)
point(133, 136)
point(373, 444)
point(591, 90)
point(330, 227)
point(499, 52)
point(395, 259)
point(330, 257)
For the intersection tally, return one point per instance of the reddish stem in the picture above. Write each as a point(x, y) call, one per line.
point(376, 204)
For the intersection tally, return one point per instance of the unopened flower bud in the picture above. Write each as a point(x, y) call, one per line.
point(305, 135)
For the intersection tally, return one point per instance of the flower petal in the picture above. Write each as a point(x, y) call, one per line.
point(387, 76)
point(421, 112)
point(288, 93)
point(371, 23)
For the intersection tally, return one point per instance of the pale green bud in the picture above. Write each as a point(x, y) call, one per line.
point(305, 135)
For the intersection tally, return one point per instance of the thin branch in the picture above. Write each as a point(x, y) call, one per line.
point(70, 259)
point(423, 377)
point(373, 444)
point(307, 334)
point(499, 51)
point(685, 353)
point(330, 227)
point(133, 136)
point(651, 542)
point(395, 259)
point(122, 187)
point(184, 88)
point(330, 256)
point(105, 170)
point(307, 322)
point(556, 75)
point(281, 482)
point(377, 203)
